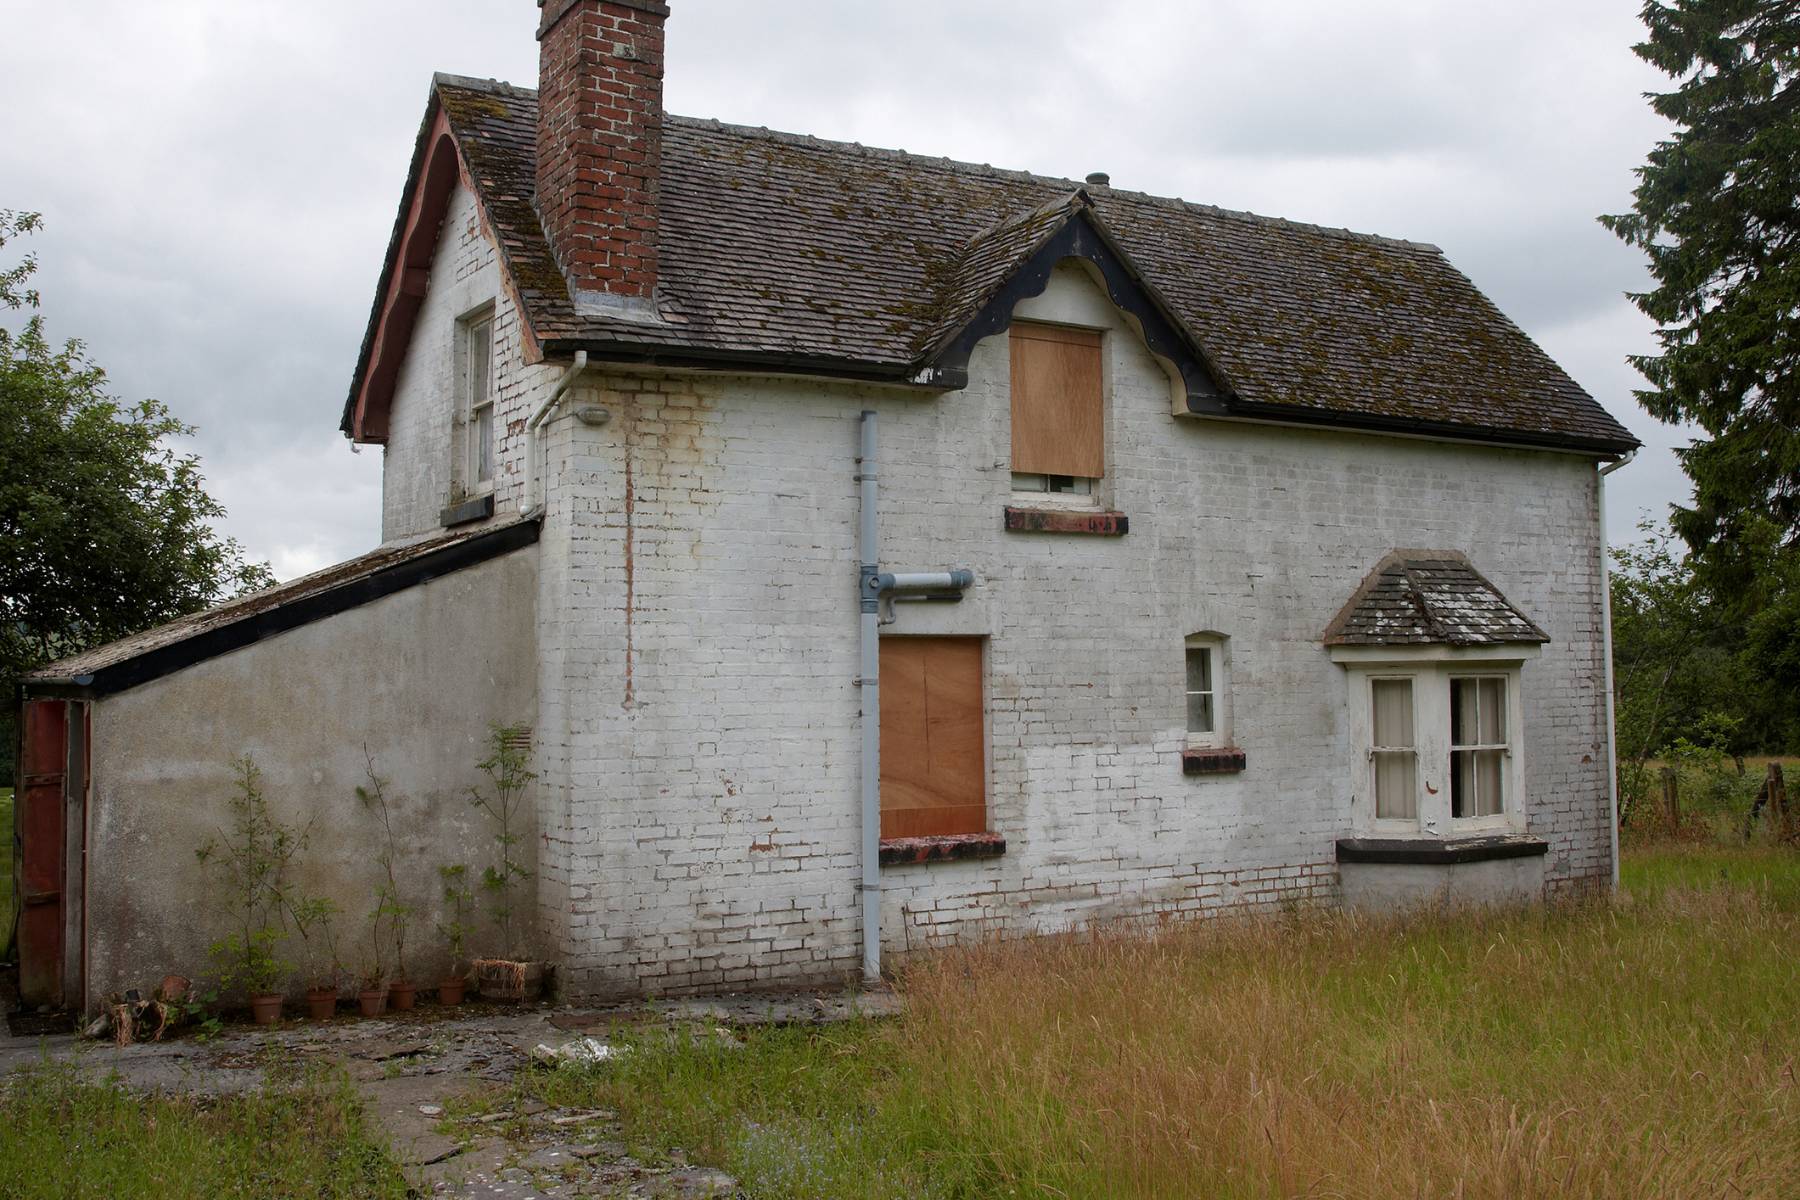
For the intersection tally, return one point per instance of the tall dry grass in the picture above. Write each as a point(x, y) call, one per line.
point(1645, 1051)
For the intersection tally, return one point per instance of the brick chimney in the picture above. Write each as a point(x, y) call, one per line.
point(599, 148)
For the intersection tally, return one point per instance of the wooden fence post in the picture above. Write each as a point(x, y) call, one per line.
point(1671, 797)
point(1778, 808)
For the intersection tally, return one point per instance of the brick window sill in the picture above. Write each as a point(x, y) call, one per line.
point(1221, 760)
point(900, 852)
point(1063, 520)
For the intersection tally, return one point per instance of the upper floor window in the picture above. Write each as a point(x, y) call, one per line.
point(1058, 412)
point(476, 388)
point(1208, 708)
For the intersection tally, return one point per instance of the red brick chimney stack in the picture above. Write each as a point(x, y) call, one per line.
point(599, 148)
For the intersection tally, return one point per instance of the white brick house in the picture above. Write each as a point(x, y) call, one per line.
point(1286, 552)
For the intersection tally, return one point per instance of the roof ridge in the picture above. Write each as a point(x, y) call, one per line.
point(987, 170)
point(450, 79)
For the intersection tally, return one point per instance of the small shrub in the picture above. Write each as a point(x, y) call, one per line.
point(251, 858)
point(507, 767)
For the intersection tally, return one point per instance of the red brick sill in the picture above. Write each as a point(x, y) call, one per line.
point(899, 852)
point(1062, 520)
point(1225, 760)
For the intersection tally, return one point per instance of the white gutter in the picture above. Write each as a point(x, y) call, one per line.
point(1606, 648)
point(534, 489)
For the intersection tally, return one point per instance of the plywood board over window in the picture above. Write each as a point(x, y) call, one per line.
point(933, 768)
point(1058, 425)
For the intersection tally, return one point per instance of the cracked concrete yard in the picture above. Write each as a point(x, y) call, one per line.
point(420, 1072)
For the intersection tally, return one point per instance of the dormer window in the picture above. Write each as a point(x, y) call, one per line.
point(475, 357)
point(1058, 410)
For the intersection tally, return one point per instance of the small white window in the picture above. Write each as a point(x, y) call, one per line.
point(1208, 709)
point(1478, 746)
point(1395, 752)
point(477, 388)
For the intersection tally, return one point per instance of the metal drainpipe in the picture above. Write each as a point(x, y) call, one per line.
point(534, 486)
point(869, 680)
point(1606, 645)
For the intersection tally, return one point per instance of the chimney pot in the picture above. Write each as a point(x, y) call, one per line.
point(1100, 179)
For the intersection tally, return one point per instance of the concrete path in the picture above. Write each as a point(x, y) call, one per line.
point(414, 1070)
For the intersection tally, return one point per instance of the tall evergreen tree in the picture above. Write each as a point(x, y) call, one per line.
point(1718, 212)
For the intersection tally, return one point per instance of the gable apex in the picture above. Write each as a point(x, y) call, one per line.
point(1013, 261)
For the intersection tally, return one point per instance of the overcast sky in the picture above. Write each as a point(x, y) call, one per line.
point(218, 178)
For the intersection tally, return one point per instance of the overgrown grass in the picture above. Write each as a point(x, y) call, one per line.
point(1650, 870)
point(1641, 1049)
point(65, 1139)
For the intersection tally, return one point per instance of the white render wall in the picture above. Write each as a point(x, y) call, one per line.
point(412, 681)
point(698, 723)
point(423, 433)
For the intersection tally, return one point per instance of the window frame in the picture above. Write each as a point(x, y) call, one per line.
point(1378, 822)
point(467, 481)
point(980, 645)
point(1042, 495)
point(1508, 786)
point(1215, 646)
point(1432, 669)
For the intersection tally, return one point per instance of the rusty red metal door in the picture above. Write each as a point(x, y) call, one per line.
point(39, 823)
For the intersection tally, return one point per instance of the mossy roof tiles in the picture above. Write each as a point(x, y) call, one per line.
point(779, 248)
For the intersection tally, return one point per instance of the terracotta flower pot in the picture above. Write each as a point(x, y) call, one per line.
point(450, 991)
point(372, 1001)
point(400, 996)
point(321, 1003)
point(265, 1007)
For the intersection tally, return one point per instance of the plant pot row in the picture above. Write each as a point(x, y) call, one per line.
point(321, 1003)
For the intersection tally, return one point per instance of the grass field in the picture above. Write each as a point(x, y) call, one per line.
point(1646, 1048)
point(1640, 1047)
point(61, 1139)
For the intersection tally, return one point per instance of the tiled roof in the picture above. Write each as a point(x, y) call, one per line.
point(1416, 597)
point(788, 250)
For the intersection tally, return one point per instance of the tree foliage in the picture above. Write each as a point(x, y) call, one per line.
point(1691, 667)
point(1717, 210)
point(107, 525)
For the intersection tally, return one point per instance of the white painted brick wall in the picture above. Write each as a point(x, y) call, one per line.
point(706, 800)
point(698, 738)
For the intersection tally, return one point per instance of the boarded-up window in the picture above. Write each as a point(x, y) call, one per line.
point(933, 770)
point(1057, 418)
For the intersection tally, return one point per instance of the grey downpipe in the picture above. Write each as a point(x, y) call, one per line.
point(869, 679)
point(1606, 650)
